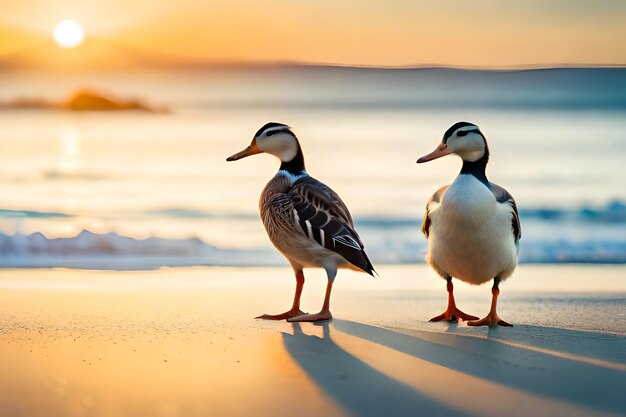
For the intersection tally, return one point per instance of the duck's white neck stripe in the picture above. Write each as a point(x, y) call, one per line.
point(276, 129)
point(292, 177)
point(467, 129)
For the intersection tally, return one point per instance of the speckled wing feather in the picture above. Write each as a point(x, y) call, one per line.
point(503, 196)
point(324, 218)
point(435, 198)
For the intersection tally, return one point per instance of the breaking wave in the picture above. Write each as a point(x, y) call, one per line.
point(89, 250)
point(578, 235)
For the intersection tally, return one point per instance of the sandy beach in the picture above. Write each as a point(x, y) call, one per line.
point(183, 342)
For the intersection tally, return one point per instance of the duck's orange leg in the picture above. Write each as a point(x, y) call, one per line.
point(452, 313)
point(325, 313)
point(295, 309)
point(492, 319)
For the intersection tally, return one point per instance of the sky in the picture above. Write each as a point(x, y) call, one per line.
point(489, 33)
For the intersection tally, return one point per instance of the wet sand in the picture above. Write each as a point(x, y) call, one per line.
point(182, 342)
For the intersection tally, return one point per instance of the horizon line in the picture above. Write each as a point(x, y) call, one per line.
point(159, 60)
point(8, 66)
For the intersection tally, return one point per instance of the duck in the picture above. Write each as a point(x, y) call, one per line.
point(306, 221)
point(472, 225)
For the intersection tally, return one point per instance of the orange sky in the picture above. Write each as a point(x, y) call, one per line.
point(492, 33)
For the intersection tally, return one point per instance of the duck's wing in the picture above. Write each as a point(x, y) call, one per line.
point(324, 218)
point(504, 197)
point(435, 199)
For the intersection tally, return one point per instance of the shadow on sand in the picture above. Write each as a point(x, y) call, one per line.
point(591, 345)
point(572, 381)
point(356, 386)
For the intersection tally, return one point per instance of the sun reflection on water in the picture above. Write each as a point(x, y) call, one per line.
point(70, 148)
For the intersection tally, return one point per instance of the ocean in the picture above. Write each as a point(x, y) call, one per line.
point(139, 190)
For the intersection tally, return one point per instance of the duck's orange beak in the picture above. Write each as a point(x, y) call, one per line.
point(441, 150)
point(253, 149)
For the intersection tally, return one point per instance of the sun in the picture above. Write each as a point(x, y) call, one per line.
point(68, 34)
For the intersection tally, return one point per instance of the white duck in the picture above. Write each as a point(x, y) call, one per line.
point(472, 225)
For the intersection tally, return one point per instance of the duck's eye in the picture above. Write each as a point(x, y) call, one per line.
point(462, 133)
point(270, 133)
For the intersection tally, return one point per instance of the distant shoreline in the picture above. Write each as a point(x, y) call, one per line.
point(83, 100)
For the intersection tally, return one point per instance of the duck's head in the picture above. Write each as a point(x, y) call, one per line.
point(463, 139)
point(273, 138)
